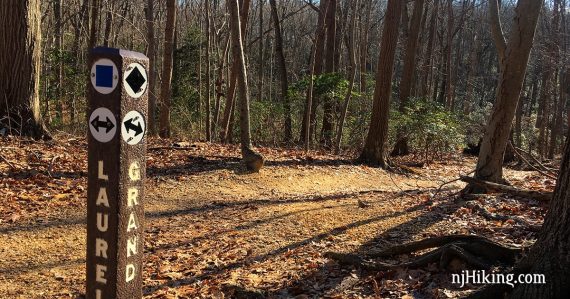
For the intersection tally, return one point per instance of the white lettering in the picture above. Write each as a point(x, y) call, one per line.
point(132, 246)
point(98, 294)
point(102, 198)
point(102, 222)
point(130, 275)
point(101, 175)
point(133, 193)
point(134, 171)
point(100, 274)
point(101, 248)
point(132, 222)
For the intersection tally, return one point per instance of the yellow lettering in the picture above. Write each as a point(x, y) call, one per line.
point(132, 222)
point(130, 275)
point(132, 246)
point(102, 198)
point(100, 274)
point(102, 222)
point(133, 193)
point(101, 248)
point(134, 171)
point(101, 175)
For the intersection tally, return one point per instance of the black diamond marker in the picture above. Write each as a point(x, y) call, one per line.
point(136, 80)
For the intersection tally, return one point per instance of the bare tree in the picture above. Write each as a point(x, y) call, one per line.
point(167, 61)
point(151, 53)
point(20, 53)
point(252, 159)
point(282, 71)
point(513, 62)
point(375, 146)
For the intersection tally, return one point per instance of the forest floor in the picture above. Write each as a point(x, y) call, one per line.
point(213, 231)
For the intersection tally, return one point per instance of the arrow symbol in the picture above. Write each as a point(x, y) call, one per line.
point(130, 126)
point(97, 124)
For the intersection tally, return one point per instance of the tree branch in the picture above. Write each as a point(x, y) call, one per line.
point(496, 29)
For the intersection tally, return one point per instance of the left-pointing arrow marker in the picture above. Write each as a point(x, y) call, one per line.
point(107, 124)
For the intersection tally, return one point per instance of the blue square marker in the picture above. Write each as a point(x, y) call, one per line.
point(104, 76)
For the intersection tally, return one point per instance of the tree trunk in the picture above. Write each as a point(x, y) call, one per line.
point(374, 148)
point(282, 68)
point(511, 79)
point(550, 254)
point(225, 131)
point(108, 23)
point(93, 32)
point(208, 74)
point(252, 159)
point(167, 61)
point(20, 52)
point(427, 67)
point(308, 126)
point(350, 45)
point(151, 53)
point(328, 108)
point(260, 55)
point(401, 147)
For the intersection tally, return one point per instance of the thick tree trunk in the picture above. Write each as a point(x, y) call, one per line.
point(374, 148)
point(252, 159)
point(401, 147)
point(20, 53)
point(282, 68)
point(167, 62)
point(151, 53)
point(550, 255)
point(511, 79)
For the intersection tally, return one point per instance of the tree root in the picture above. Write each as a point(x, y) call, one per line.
point(494, 187)
point(497, 217)
point(476, 251)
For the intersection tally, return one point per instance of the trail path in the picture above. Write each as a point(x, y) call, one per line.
point(212, 231)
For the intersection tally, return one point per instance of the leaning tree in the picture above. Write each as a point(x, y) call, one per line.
point(513, 59)
point(20, 53)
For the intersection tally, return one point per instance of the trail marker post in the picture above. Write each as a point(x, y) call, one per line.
point(117, 109)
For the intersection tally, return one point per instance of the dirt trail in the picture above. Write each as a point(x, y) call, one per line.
point(213, 232)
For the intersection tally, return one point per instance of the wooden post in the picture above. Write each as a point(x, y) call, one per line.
point(117, 96)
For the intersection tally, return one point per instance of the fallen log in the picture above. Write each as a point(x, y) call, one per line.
point(500, 188)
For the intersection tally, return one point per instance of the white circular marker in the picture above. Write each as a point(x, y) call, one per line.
point(133, 127)
point(102, 125)
point(104, 76)
point(135, 80)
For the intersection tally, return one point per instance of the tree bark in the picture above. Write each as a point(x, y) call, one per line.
point(550, 254)
point(374, 148)
point(20, 52)
point(281, 66)
point(167, 62)
point(350, 45)
point(401, 147)
point(328, 107)
point(225, 131)
point(511, 79)
point(308, 126)
point(252, 159)
point(208, 74)
point(151, 53)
